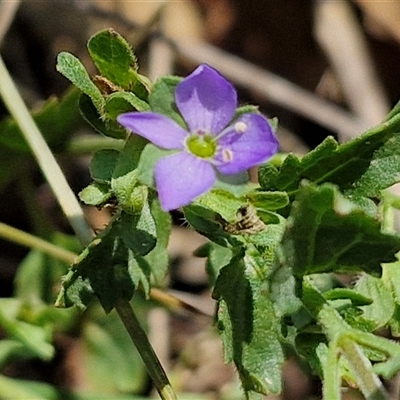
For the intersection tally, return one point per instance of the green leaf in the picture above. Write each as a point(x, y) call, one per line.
point(329, 233)
point(92, 116)
point(130, 195)
point(115, 60)
point(343, 165)
point(140, 272)
point(391, 278)
point(223, 203)
point(104, 265)
point(18, 389)
point(96, 194)
point(139, 231)
point(158, 258)
point(382, 308)
point(283, 292)
point(73, 69)
point(382, 172)
point(121, 102)
point(217, 257)
point(103, 165)
point(75, 291)
point(162, 98)
point(148, 159)
point(130, 156)
point(204, 221)
point(268, 200)
point(249, 327)
point(36, 339)
point(354, 296)
point(10, 350)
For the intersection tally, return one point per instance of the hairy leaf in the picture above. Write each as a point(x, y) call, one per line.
point(329, 233)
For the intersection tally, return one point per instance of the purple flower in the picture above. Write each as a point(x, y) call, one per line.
point(212, 142)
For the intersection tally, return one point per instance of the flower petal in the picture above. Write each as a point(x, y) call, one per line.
point(157, 128)
point(248, 142)
point(180, 178)
point(206, 100)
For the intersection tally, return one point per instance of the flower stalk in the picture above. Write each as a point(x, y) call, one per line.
point(141, 341)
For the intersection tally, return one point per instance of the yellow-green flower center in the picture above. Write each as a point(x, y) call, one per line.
point(202, 145)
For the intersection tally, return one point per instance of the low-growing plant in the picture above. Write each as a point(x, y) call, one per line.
point(278, 251)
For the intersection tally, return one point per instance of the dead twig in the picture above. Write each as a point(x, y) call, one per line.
point(8, 9)
point(342, 39)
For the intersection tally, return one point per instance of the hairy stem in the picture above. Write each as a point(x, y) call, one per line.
point(361, 367)
point(141, 341)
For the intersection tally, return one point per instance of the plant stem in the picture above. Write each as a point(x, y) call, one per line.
point(361, 367)
point(26, 239)
point(88, 144)
point(141, 341)
point(47, 163)
point(331, 386)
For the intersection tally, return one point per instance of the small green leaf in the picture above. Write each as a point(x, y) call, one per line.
point(124, 182)
point(158, 258)
point(103, 165)
point(96, 194)
point(148, 159)
point(382, 308)
point(130, 156)
point(73, 69)
point(140, 272)
point(104, 265)
point(204, 221)
point(217, 257)
point(355, 297)
point(162, 98)
point(115, 60)
point(139, 231)
point(223, 203)
point(121, 102)
point(283, 292)
point(268, 200)
point(92, 116)
point(75, 291)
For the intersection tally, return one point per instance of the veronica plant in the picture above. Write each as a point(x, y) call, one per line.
point(274, 249)
point(211, 140)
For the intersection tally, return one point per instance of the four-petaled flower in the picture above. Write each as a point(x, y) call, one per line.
point(213, 141)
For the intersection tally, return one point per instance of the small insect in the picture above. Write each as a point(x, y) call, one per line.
point(248, 222)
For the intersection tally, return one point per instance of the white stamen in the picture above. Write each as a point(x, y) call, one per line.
point(240, 127)
point(227, 155)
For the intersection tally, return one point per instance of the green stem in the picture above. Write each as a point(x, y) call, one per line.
point(361, 367)
point(47, 163)
point(26, 239)
point(331, 386)
point(88, 144)
point(141, 341)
